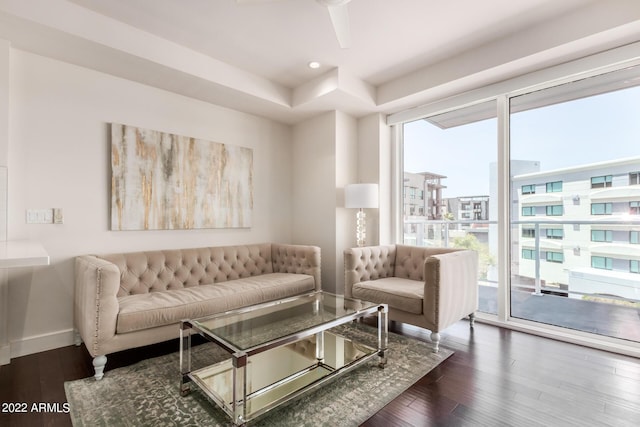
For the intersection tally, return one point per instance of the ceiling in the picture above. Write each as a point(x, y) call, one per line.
point(253, 55)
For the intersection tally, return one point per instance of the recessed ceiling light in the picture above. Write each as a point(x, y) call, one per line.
point(314, 64)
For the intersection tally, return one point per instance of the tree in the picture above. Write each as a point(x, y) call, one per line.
point(469, 241)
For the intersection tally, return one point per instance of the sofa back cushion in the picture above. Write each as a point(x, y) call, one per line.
point(156, 271)
point(410, 260)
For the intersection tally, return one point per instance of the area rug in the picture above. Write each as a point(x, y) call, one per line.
point(147, 393)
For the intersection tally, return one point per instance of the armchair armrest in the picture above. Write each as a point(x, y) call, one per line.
point(297, 259)
point(96, 303)
point(451, 287)
point(367, 263)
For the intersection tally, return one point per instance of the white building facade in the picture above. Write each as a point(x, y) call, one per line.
point(583, 234)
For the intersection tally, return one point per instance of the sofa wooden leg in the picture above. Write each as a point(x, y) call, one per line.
point(99, 362)
point(435, 338)
point(472, 319)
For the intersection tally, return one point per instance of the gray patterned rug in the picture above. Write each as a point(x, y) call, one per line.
point(147, 393)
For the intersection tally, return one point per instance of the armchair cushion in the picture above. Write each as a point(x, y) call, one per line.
point(403, 294)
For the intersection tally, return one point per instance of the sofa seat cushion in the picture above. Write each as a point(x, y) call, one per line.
point(401, 294)
point(143, 311)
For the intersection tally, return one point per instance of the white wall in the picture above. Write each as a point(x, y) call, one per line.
point(5, 55)
point(374, 165)
point(346, 173)
point(324, 161)
point(314, 189)
point(59, 157)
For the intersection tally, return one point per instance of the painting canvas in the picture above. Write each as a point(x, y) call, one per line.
point(162, 181)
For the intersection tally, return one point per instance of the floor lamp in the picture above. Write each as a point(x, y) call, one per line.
point(361, 196)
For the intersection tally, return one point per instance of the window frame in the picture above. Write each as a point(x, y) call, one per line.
point(551, 210)
point(507, 211)
point(607, 262)
point(552, 233)
point(608, 208)
point(531, 209)
point(550, 256)
point(531, 189)
point(607, 181)
point(551, 187)
point(608, 236)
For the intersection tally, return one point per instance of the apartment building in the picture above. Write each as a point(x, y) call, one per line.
point(584, 229)
point(423, 195)
point(423, 201)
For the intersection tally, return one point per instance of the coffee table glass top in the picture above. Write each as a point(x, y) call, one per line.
point(248, 328)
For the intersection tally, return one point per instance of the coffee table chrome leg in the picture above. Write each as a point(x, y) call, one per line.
point(239, 387)
point(320, 346)
point(185, 357)
point(185, 387)
point(383, 334)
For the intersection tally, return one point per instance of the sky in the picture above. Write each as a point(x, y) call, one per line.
point(588, 130)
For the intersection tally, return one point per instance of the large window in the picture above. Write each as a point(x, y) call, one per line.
point(573, 211)
point(453, 156)
point(557, 135)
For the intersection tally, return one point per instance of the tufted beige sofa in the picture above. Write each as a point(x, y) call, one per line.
point(127, 300)
point(427, 287)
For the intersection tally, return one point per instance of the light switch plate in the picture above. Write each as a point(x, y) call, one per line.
point(57, 216)
point(39, 216)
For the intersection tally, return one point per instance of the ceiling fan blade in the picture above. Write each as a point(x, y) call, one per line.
point(255, 1)
point(340, 19)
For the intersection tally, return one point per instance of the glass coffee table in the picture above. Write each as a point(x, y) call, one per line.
point(277, 351)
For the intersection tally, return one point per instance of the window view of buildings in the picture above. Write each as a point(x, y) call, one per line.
point(573, 186)
point(450, 218)
point(576, 231)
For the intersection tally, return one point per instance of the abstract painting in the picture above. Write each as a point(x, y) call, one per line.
point(162, 181)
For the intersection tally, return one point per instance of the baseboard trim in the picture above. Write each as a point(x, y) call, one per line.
point(39, 343)
point(5, 354)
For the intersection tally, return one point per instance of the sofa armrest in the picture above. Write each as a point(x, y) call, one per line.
point(97, 282)
point(367, 263)
point(297, 259)
point(451, 287)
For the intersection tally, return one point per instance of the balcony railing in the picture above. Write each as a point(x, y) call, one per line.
point(570, 274)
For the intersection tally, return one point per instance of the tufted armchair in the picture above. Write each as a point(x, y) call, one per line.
point(427, 287)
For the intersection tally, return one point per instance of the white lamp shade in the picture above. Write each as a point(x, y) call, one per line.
point(361, 196)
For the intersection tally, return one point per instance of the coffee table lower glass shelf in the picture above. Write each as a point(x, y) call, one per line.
point(278, 351)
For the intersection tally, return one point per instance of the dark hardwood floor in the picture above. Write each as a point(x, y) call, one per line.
point(496, 377)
